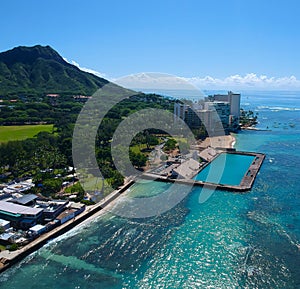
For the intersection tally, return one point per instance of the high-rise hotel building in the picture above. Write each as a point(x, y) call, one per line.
point(218, 112)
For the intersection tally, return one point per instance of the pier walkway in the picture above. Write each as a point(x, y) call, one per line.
point(245, 184)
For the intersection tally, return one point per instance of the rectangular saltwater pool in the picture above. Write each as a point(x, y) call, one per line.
point(226, 169)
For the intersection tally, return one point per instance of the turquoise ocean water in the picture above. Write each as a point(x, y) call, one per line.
point(230, 241)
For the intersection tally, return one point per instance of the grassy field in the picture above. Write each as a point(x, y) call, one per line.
point(137, 148)
point(21, 132)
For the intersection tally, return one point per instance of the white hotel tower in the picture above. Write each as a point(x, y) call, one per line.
point(226, 105)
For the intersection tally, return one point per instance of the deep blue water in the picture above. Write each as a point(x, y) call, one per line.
point(226, 169)
point(230, 241)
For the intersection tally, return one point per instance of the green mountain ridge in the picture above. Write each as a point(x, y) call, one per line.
point(40, 69)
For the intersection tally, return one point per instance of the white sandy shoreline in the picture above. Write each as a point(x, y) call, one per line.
point(225, 141)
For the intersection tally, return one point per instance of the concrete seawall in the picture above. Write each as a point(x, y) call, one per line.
point(12, 258)
point(245, 184)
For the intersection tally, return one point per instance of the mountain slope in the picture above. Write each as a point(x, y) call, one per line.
point(40, 69)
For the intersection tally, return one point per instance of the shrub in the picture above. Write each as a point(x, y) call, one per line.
point(13, 247)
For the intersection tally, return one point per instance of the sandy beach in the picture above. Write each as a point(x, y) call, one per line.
point(226, 141)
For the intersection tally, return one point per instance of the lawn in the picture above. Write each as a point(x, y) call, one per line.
point(138, 148)
point(21, 132)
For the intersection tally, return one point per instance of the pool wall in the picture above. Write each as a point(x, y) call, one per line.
point(245, 184)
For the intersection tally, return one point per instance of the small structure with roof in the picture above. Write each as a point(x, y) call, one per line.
point(188, 169)
point(26, 200)
point(37, 230)
point(4, 224)
point(51, 209)
point(66, 215)
point(6, 238)
point(78, 207)
point(19, 187)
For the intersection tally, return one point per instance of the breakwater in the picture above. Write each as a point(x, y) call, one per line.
point(245, 184)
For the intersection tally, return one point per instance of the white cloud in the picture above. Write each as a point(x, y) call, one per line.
point(166, 81)
point(97, 73)
point(248, 81)
point(153, 80)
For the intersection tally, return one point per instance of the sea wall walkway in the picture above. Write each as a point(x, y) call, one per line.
point(245, 184)
point(7, 258)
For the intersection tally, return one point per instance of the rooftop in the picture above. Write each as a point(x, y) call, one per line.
point(6, 236)
point(188, 169)
point(25, 199)
point(65, 214)
point(37, 228)
point(4, 222)
point(18, 209)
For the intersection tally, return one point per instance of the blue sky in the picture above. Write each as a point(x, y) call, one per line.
point(225, 39)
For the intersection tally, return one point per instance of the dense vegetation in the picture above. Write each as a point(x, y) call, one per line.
point(27, 77)
point(111, 122)
point(53, 150)
point(32, 71)
point(248, 118)
point(36, 112)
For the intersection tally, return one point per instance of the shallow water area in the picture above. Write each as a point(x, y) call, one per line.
point(230, 241)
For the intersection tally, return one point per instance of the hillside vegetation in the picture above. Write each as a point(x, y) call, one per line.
point(40, 69)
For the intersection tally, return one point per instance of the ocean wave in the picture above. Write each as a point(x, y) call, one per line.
point(74, 231)
point(278, 108)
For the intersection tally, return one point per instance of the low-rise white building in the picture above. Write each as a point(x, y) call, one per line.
point(4, 224)
point(37, 229)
